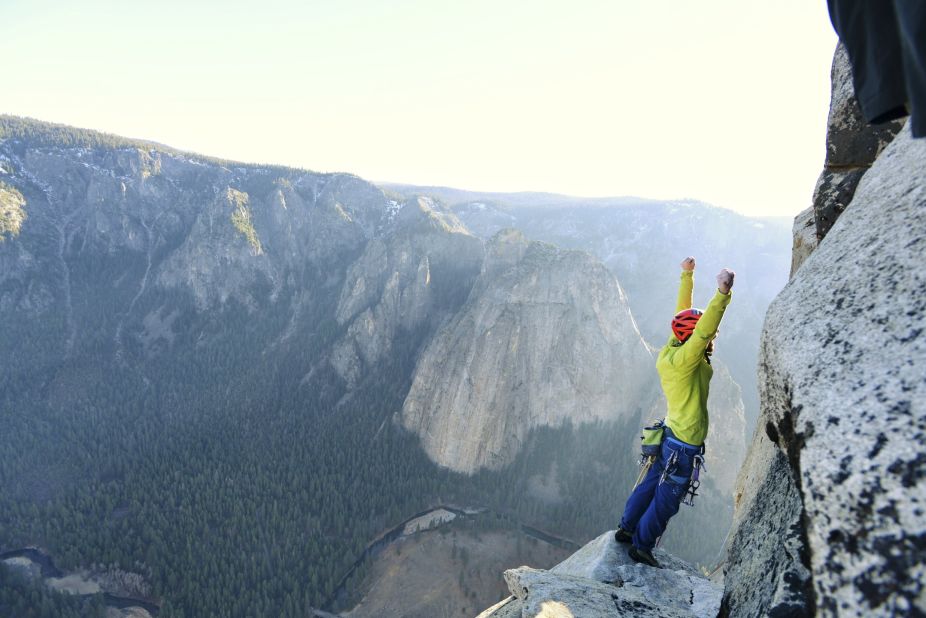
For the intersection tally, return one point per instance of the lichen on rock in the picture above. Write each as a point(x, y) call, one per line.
point(805, 238)
point(12, 211)
point(241, 218)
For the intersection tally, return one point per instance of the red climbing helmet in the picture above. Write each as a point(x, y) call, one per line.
point(683, 324)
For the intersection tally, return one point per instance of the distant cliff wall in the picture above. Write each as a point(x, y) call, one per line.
point(546, 336)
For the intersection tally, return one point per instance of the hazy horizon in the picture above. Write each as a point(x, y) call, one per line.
point(600, 99)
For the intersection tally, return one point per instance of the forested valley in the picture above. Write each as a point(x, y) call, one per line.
point(222, 458)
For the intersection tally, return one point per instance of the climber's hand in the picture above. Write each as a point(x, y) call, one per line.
point(688, 263)
point(725, 280)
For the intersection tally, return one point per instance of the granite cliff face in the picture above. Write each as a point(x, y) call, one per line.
point(255, 230)
point(842, 423)
point(832, 496)
point(545, 337)
point(146, 228)
point(404, 284)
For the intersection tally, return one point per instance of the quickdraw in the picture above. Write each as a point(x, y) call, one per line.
point(669, 468)
point(694, 483)
point(645, 464)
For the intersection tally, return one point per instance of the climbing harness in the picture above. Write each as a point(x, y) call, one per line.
point(693, 481)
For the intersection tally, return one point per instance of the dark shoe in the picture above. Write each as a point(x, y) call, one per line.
point(622, 536)
point(642, 556)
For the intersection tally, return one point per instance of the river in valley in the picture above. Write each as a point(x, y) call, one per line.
point(406, 528)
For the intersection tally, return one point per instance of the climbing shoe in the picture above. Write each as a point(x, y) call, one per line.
point(622, 536)
point(643, 556)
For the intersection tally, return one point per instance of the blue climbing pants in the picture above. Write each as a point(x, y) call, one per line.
point(652, 504)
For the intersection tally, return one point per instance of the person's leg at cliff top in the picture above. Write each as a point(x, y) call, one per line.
point(685, 373)
point(666, 499)
point(638, 502)
point(886, 42)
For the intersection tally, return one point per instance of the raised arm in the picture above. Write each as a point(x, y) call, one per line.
point(686, 285)
point(691, 353)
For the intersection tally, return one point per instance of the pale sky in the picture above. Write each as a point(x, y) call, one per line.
point(719, 100)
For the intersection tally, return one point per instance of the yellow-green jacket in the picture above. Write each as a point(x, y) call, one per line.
point(683, 370)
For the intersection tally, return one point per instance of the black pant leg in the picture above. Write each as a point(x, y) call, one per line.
point(869, 30)
point(911, 21)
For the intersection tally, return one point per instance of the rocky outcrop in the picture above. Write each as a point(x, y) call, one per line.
point(545, 336)
point(601, 580)
point(852, 145)
point(217, 260)
point(837, 471)
point(829, 500)
point(406, 282)
point(805, 238)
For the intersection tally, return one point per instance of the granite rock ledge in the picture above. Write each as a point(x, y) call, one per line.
point(601, 580)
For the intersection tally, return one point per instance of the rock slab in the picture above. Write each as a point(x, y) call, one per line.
point(842, 383)
point(601, 580)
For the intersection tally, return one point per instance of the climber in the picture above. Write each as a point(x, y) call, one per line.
point(684, 367)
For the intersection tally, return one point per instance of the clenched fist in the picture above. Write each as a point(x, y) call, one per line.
point(688, 263)
point(725, 280)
